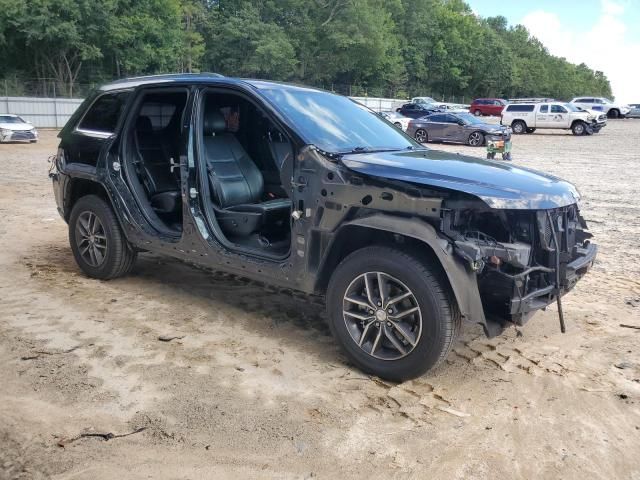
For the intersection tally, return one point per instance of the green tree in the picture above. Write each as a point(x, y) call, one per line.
point(378, 47)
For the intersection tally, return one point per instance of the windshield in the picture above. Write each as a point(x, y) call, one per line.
point(469, 119)
point(336, 124)
point(572, 108)
point(8, 119)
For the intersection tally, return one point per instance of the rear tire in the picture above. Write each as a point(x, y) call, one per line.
point(477, 113)
point(421, 135)
point(531, 130)
point(429, 330)
point(97, 242)
point(518, 127)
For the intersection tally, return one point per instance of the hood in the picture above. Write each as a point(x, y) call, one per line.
point(499, 185)
point(16, 127)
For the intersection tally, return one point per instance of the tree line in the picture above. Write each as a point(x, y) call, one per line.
point(397, 48)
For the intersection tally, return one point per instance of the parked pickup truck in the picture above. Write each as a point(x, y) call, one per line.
point(527, 117)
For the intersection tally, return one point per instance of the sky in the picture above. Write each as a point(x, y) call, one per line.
point(604, 34)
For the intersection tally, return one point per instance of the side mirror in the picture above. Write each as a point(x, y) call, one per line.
point(461, 123)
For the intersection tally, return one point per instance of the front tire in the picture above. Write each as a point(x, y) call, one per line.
point(414, 320)
point(476, 139)
point(97, 242)
point(531, 130)
point(614, 113)
point(579, 128)
point(477, 113)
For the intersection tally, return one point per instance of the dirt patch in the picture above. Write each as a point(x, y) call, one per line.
point(251, 384)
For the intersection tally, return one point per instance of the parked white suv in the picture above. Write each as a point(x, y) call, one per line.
point(601, 104)
point(527, 117)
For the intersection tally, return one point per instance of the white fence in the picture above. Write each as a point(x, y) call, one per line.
point(380, 104)
point(54, 112)
point(42, 112)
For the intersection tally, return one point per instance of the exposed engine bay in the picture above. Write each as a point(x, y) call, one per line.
point(524, 259)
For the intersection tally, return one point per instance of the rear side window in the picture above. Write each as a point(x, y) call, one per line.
point(520, 108)
point(104, 113)
point(160, 114)
point(544, 109)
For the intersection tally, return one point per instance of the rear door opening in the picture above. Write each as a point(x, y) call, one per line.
point(154, 142)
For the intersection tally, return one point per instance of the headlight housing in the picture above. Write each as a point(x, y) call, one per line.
point(4, 131)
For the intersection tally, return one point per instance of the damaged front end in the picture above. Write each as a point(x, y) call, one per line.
point(524, 259)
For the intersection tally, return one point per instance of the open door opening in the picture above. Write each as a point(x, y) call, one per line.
point(154, 143)
point(243, 152)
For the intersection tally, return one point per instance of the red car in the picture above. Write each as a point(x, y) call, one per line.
point(487, 106)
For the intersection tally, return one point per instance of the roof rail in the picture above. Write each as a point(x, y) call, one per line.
point(161, 76)
point(531, 100)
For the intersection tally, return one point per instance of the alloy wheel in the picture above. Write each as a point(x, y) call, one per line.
point(475, 139)
point(382, 316)
point(91, 239)
point(421, 135)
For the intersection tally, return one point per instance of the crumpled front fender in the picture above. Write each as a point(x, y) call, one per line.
point(461, 278)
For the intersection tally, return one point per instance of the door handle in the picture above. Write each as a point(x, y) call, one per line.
point(302, 182)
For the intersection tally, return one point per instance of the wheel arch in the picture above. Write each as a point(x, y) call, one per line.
point(424, 242)
point(77, 188)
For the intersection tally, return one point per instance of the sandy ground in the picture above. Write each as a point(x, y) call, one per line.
point(256, 387)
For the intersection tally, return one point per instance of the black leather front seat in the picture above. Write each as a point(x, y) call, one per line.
point(237, 186)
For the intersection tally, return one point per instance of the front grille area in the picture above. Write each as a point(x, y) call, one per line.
point(23, 135)
point(546, 228)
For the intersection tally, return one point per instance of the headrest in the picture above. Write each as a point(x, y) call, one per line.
point(143, 124)
point(214, 122)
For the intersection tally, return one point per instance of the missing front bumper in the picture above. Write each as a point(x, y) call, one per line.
point(522, 307)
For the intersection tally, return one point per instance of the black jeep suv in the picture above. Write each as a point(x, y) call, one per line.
point(309, 190)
